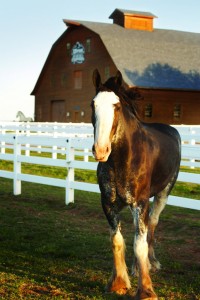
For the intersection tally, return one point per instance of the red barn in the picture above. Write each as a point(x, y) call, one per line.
point(164, 64)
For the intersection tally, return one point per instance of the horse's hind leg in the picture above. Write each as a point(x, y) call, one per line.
point(159, 203)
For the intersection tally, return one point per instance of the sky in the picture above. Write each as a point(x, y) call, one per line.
point(28, 29)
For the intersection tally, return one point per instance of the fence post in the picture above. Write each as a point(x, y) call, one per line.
point(39, 132)
point(3, 151)
point(69, 192)
point(192, 142)
point(16, 166)
point(54, 153)
point(86, 156)
point(27, 146)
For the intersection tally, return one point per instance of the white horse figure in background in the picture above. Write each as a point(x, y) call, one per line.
point(22, 117)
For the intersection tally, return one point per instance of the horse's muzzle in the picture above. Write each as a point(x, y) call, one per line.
point(101, 154)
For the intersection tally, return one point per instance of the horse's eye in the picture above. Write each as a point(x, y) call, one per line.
point(117, 106)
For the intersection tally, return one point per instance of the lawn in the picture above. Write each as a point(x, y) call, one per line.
point(52, 251)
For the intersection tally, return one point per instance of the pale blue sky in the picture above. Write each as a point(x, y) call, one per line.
point(28, 28)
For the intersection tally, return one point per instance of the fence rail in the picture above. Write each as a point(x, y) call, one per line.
point(46, 128)
point(69, 141)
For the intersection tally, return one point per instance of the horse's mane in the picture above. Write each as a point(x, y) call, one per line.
point(128, 96)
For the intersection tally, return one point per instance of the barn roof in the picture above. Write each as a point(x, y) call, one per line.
point(157, 59)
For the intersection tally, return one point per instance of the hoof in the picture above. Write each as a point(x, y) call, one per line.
point(135, 271)
point(155, 266)
point(118, 286)
point(145, 295)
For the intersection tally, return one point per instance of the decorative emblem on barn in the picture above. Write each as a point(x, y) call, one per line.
point(78, 52)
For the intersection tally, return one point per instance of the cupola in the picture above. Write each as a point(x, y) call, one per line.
point(133, 19)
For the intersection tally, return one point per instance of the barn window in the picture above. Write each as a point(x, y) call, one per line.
point(88, 45)
point(78, 80)
point(177, 111)
point(68, 48)
point(63, 79)
point(148, 110)
point(107, 73)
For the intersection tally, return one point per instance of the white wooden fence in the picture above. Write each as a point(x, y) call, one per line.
point(17, 140)
point(45, 128)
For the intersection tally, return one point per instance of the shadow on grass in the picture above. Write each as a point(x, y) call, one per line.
point(50, 251)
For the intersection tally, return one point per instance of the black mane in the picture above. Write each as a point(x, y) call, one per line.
point(128, 96)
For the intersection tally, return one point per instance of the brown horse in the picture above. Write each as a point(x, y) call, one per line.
point(136, 161)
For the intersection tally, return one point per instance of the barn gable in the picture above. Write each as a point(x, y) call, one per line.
point(164, 64)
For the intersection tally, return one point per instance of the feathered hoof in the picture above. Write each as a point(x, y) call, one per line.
point(145, 295)
point(155, 266)
point(118, 286)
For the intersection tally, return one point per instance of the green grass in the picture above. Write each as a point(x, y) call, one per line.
point(52, 251)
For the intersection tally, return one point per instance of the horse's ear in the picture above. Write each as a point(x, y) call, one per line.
point(96, 79)
point(118, 79)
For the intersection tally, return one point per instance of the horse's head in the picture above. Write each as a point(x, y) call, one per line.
point(105, 111)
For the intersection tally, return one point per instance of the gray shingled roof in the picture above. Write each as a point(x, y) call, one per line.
point(158, 59)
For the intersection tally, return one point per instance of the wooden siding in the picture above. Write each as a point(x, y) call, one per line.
point(58, 80)
point(139, 23)
point(56, 83)
point(163, 103)
point(133, 19)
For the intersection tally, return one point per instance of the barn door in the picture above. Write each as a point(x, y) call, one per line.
point(58, 111)
point(75, 117)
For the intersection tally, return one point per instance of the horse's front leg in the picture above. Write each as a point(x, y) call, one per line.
point(145, 289)
point(119, 281)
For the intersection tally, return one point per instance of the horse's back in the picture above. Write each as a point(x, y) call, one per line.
point(163, 129)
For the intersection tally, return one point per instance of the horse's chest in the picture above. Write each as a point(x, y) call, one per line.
point(115, 185)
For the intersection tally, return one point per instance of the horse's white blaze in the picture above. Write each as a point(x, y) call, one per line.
point(104, 112)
